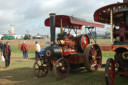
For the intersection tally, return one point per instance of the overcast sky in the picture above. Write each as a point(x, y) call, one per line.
point(30, 14)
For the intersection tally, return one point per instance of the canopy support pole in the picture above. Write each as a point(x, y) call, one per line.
point(61, 26)
point(111, 23)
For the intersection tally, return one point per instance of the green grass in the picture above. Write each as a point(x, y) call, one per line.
point(20, 72)
point(15, 49)
point(102, 41)
point(110, 55)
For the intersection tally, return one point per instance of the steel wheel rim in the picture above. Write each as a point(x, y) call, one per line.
point(39, 69)
point(94, 58)
point(110, 72)
point(61, 68)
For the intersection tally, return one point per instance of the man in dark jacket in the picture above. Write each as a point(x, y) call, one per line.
point(24, 49)
point(7, 53)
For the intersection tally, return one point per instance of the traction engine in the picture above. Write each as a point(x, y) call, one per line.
point(67, 52)
point(117, 16)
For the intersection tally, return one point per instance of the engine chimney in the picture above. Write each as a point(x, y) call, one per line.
point(52, 27)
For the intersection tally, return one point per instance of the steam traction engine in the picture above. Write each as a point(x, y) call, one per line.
point(117, 16)
point(68, 51)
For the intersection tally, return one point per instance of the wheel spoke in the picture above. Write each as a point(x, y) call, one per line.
point(93, 57)
point(39, 69)
point(37, 64)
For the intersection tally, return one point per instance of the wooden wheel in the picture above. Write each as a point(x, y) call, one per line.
point(61, 68)
point(110, 72)
point(39, 69)
point(93, 57)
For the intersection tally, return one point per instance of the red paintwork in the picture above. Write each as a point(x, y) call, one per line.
point(69, 47)
point(87, 23)
point(102, 15)
point(76, 59)
point(71, 22)
point(95, 58)
point(67, 51)
point(112, 73)
point(119, 46)
point(84, 38)
point(69, 43)
point(122, 33)
point(52, 61)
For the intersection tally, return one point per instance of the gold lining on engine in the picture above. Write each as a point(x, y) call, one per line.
point(48, 53)
point(125, 55)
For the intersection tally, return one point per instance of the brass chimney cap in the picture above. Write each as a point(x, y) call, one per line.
point(52, 14)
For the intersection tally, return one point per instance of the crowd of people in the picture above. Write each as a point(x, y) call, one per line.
point(6, 51)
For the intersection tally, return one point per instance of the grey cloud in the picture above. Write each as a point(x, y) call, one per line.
point(31, 13)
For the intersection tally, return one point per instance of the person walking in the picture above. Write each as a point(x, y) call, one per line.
point(7, 53)
point(37, 50)
point(24, 49)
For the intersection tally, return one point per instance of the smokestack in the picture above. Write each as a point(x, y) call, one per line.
point(52, 27)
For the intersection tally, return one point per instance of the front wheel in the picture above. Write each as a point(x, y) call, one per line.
point(40, 70)
point(110, 72)
point(61, 68)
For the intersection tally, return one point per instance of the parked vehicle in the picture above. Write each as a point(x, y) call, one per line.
point(27, 36)
point(37, 37)
point(7, 37)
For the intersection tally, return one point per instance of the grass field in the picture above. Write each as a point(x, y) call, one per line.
point(20, 72)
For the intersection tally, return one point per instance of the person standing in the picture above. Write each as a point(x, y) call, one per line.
point(7, 53)
point(24, 49)
point(1, 50)
point(37, 50)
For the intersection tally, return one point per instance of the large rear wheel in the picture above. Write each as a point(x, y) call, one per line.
point(61, 68)
point(110, 72)
point(93, 57)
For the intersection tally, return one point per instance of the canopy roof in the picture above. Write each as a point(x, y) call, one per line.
point(103, 14)
point(71, 22)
